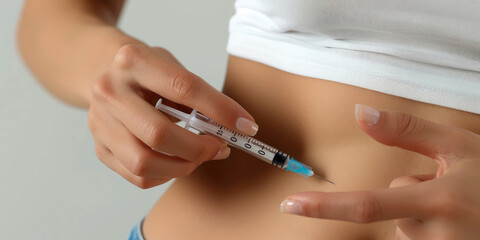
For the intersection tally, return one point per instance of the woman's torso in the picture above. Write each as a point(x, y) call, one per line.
point(313, 120)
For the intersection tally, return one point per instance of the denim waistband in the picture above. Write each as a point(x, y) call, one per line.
point(136, 233)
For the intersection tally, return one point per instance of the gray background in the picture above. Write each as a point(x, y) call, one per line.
point(52, 185)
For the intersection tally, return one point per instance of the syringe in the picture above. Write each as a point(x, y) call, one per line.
point(245, 143)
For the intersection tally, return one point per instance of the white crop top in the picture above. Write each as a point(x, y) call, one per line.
point(425, 50)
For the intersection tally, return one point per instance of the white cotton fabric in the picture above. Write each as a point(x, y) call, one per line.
point(426, 50)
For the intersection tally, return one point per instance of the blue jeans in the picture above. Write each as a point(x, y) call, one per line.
point(136, 233)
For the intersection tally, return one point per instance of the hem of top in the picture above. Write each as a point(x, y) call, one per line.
point(398, 77)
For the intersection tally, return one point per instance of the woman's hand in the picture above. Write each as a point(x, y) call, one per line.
point(441, 206)
point(135, 139)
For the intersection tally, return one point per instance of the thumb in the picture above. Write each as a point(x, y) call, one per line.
point(155, 71)
point(445, 144)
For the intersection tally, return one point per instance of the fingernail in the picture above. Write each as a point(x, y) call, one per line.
point(291, 207)
point(247, 126)
point(366, 114)
point(223, 153)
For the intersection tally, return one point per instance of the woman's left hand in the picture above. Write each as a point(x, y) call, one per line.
point(445, 205)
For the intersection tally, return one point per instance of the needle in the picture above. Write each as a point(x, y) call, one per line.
point(323, 179)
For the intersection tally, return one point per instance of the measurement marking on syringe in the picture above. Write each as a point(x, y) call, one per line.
point(260, 150)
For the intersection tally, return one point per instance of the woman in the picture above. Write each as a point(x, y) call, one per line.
point(317, 60)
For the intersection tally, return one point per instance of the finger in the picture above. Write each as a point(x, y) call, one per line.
point(359, 206)
point(152, 98)
point(155, 130)
point(106, 156)
point(172, 81)
point(139, 159)
point(411, 180)
point(407, 228)
point(142, 161)
point(440, 142)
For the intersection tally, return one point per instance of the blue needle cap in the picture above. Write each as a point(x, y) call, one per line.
point(299, 168)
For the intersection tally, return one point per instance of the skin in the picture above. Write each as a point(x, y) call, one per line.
point(446, 206)
point(119, 79)
point(220, 196)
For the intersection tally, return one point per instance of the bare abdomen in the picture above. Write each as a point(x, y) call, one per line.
point(313, 120)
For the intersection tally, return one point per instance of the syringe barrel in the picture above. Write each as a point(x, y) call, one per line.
point(200, 123)
point(245, 143)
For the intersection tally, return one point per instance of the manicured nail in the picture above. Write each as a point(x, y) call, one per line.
point(223, 153)
point(291, 207)
point(366, 114)
point(247, 126)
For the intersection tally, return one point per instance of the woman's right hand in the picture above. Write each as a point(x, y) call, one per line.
point(136, 140)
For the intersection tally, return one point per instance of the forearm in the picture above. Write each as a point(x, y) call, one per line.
point(67, 43)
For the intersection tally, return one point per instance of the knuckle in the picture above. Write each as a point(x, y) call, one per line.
point(139, 166)
point(92, 121)
point(317, 209)
point(183, 84)
point(366, 209)
point(127, 56)
point(103, 89)
point(449, 202)
point(155, 134)
point(100, 152)
point(103, 155)
point(143, 183)
point(406, 124)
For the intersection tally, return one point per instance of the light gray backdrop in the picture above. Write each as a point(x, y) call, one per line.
point(52, 186)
